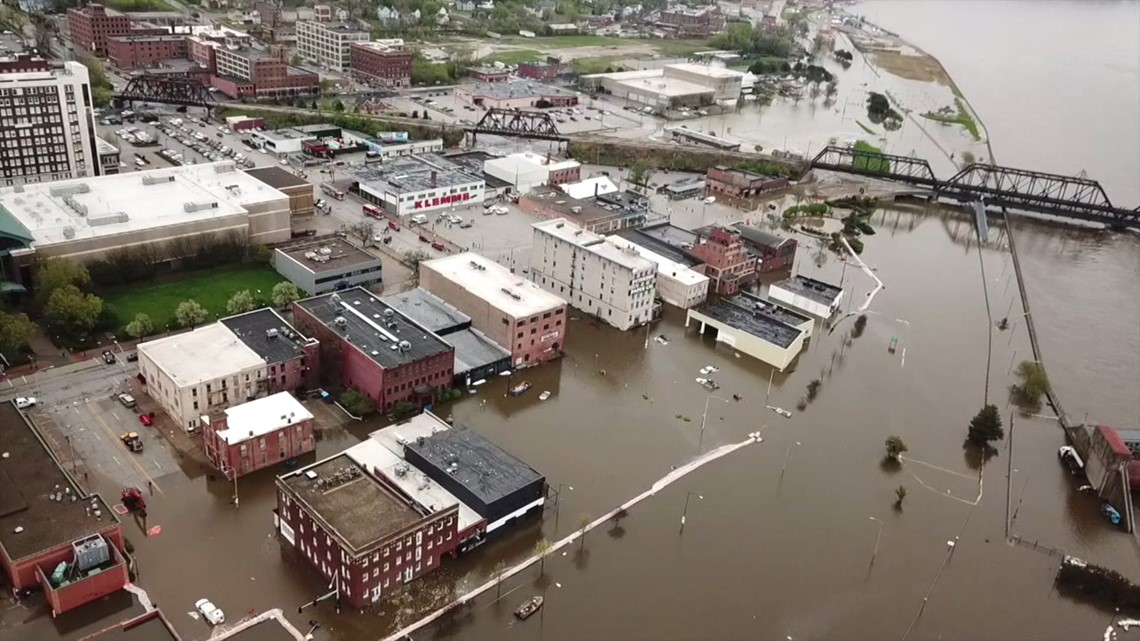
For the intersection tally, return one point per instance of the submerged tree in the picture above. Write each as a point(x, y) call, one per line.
point(986, 426)
point(895, 447)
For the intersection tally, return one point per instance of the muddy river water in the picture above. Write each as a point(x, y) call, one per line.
point(781, 544)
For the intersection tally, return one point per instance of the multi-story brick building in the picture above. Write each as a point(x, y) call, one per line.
point(329, 43)
point(240, 71)
point(257, 434)
point(737, 183)
point(511, 310)
point(539, 70)
point(227, 363)
point(383, 63)
point(133, 52)
point(93, 24)
point(728, 265)
point(46, 123)
point(48, 520)
point(773, 252)
point(372, 348)
point(694, 20)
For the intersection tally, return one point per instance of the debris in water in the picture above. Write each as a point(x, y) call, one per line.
point(558, 585)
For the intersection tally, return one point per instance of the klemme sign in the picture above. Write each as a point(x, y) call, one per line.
point(442, 200)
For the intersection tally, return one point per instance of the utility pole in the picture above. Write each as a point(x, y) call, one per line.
point(685, 511)
point(877, 538)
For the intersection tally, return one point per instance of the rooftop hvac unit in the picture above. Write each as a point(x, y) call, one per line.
point(76, 205)
point(389, 313)
point(199, 206)
point(109, 219)
point(90, 553)
point(405, 346)
point(271, 333)
point(69, 232)
point(69, 190)
point(340, 321)
point(324, 251)
point(311, 255)
point(222, 167)
point(148, 179)
point(576, 209)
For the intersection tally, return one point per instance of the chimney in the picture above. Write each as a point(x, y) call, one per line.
point(433, 177)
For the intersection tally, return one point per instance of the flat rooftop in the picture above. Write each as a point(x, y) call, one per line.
point(262, 416)
point(568, 231)
point(584, 210)
point(750, 321)
point(29, 474)
point(669, 241)
point(282, 135)
point(549, 163)
point(627, 255)
point(474, 350)
point(494, 283)
point(374, 327)
point(339, 27)
point(84, 208)
point(514, 89)
point(709, 71)
point(485, 469)
point(355, 506)
point(415, 173)
point(783, 314)
point(429, 310)
point(331, 255)
point(277, 177)
point(759, 236)
point(665, 266)
point(382, 46)
point(254, 329)
point(811, 288)
point(207, 353)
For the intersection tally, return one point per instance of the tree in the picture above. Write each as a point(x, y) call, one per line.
point(641, 172)
point(189, 314)
point(542, 547)
point(986, 427)
point(1034, 383)
point(356, 404)
point(101, 89)
point(141, 326)
point(53, 273)
point(15, 331)
point(241, 303)
point(364, 230)
point(895, 447)
point(583, 523)
point(900, 494)
point(498, 571)
point(71, 312)
point(413, 258)
point(416, 114)
point(285, 293)
point(338, 105)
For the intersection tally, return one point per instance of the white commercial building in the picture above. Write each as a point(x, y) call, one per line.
point(672, 86)
point(263, 416)
point(677, 284)
point(615, 284)
point(807, 294)
point(756, 327)
point(45, 121)
point(528, 170)
point(420, 185)
point(84, 219)
point(329, 44)
point(283, 141)
point(225, 364)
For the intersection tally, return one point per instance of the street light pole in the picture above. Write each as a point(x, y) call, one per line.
point(558, 502)
point(877, 538)
point(787, 451)
point(704, 420)
point(685, 511)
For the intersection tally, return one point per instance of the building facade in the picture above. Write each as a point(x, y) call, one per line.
point(372, 348)
point(677, 284)
point(809, 295)
point(327, 265)
point(526, 170)
point(257, 434)
point(420, 185)
point(46, 122)
point(510, 310)
point(737, 183)
point(243, 71)
point(380, 64)
point(517, 94)
point(614, 284)
point(235, 360)
point(538, 70)
point(729, 267)
point(773, 252)
point(329, 44)
point(91, 25)
point(694, 20)
point(133, 51)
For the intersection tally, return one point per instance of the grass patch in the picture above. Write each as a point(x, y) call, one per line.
point(679, 48)
point(513, 57)
point(212, 289)
point(667, 47)
point(866, 128)
point(871, 164)
point(594, 65)
point(963, 118)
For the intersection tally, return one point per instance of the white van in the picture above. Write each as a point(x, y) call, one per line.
point(419, 219)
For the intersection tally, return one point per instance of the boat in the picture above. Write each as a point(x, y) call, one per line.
point(520, 389)
point(544, 395)
point(529, 608)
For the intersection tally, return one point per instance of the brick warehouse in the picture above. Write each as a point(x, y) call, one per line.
point(46, 520)
point(92, 25)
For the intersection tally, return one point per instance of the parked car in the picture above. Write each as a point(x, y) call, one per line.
point(108, 357)
point(132, 357)
point(210, 612)
point(24, 403)
point(127, 400)
point(147, 419)
point(438, 246)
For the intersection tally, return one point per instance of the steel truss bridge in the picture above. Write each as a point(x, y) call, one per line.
point(169, 89)
point(1020, 189)
point(517, 124)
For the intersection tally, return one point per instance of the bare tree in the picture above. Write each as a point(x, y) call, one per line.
point(542, 547)
point(498, 571)
point(364, 230)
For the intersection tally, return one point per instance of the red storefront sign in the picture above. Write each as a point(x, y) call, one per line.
point(442, 200)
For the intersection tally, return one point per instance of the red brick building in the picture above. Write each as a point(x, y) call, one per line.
point(90, 26)
point(133, 52)
point(490, 74)
point(773, 252)
point(538, 70)
point(737, 183)
point(380, 64)
point(54, 536)
point(688, 20)
point(257, 434)
point(246, 72)
point(728, 265)
point(374, 349)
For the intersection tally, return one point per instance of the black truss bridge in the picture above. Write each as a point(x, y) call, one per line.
point(1072, 197)
point(168, 89)
point(517, 124)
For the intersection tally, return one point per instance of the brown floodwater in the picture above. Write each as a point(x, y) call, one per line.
point(781, 543)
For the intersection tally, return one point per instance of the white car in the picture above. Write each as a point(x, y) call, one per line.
point(25, 403)
point(210, 612)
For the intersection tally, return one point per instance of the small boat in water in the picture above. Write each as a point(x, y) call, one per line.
point(544, 395)
point(529, 608)
point(520, 389)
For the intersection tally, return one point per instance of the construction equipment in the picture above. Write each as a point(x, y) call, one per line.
point(132, 441)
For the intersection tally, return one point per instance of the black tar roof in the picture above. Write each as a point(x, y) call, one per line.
point(251, 327)
point(654, 243)
point(374, 327)
point(474, 350)
point(487, 470)
point(816, 290)
point(755, 322)
point(759, 236)
point(429, 310)
point(28, 476)
point(472, 162)
point(277, 177)
point(783, 314)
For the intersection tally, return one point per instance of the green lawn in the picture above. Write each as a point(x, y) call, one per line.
point(594, 65)
point(514, 57)
point(666, 47)
point(871, 164)
point(963, 118)
point(212, 289)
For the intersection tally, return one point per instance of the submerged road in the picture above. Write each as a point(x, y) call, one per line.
point(661, 484)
